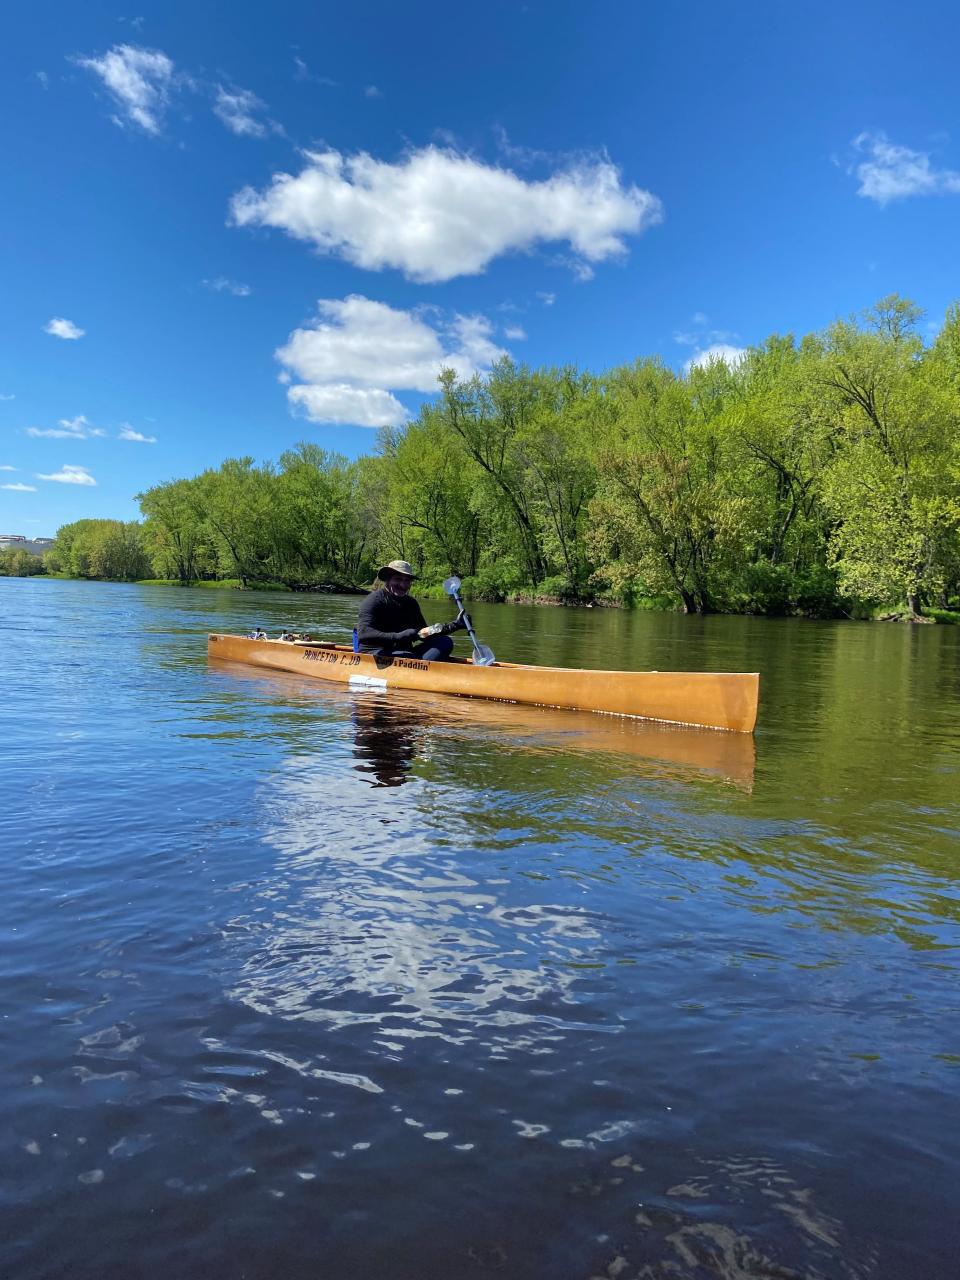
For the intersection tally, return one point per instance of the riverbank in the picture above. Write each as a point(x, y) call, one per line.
point(888, 612)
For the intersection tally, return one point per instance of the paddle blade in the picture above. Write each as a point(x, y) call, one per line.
point(451, 585)
point(483, 656)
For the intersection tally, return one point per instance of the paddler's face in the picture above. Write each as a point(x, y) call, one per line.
point(398, 584)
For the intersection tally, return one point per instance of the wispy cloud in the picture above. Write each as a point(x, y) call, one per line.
point(19, 488)
point(220, 284)
point(548, 299)
point(127, 433)
point(302, 72)
point(709, 344)
point(371, 91)
point(239, 110)
point(581, 270)
point(520, 155)
point(892, 172)
point(701, 334)
point(77, 428)
point(139, 81)
point(514, 333)
point(69, 475)
point(7, 467)
point(438, 213)
point(43, 79)
point(60, 328)
point(346, 366)
point(10, 397)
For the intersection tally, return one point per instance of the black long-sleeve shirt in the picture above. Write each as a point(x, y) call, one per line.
point(388, 622)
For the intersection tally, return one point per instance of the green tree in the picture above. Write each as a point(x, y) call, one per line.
point(891, 486)
point(108, 549)
point(428, 516)
point(234, 502)
point(17, 562)
point(665, 516)
point(556, 452)
point(780, 440)
point(491, 416)
point(175, 533)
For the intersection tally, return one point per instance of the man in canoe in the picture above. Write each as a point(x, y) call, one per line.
point(391, 622)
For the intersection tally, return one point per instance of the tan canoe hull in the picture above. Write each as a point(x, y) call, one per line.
point(723, 700)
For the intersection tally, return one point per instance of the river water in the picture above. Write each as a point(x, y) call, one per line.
point(299, 982)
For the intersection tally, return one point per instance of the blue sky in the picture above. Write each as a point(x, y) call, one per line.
point(230, 228)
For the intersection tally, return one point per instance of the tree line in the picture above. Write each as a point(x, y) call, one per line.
point(813, 477)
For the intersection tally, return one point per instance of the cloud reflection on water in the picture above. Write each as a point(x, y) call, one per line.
point(383, 927)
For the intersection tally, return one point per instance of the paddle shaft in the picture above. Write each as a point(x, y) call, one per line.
point(466, 617)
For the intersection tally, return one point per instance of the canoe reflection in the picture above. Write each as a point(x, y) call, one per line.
point(392, 728)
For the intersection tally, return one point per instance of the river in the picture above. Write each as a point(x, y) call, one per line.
point(302, 982)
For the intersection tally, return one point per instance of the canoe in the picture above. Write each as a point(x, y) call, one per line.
point(709, 700)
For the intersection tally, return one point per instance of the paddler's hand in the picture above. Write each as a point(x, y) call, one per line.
point(441, 629)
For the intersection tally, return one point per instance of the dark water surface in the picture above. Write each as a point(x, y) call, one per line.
point(299, 982)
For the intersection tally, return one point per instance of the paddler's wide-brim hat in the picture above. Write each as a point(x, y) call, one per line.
point(396, 566)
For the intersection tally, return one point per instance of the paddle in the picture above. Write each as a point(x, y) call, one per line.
point(482, 653)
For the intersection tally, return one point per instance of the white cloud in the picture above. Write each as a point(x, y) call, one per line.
point(60, 328)
point(371, 91)
point(731, 356)
point(514, 333)
point(127, 433)
point(438, 213)
point(338, 402)
point(6, 467)
point(368, 343)
point(18, 487)
point(222, 285)
point(81, 427)
point(359, 350)
point(43, 78)
point(891, 172)
point(139, 81)
point(69, 475)
point(548, 299)
point(238, 110)
point(77, 428)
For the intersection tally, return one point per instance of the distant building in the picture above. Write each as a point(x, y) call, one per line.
point(36, 546)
